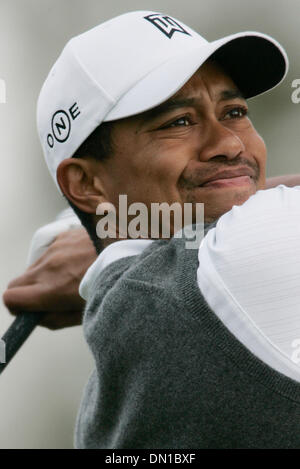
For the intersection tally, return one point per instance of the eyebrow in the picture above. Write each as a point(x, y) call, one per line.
point(231, 94)
point(167, 106)
point(180, 102)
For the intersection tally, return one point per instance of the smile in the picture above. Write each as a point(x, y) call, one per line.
point(228, 182)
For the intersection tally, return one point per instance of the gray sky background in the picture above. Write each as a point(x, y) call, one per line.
point(40, 391)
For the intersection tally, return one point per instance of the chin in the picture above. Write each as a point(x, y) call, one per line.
point(222, 203)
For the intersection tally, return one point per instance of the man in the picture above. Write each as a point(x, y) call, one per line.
point(47, 285)
point(176, 131)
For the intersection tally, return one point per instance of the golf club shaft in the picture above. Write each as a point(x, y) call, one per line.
point(17, 333)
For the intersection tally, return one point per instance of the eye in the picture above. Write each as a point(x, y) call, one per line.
point(236, 113)
point(183, 121)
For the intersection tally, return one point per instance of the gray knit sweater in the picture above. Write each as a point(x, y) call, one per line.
point(168, 374)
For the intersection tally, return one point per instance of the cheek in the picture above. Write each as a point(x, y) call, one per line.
point(260, 155)
point(256, 148)
point(166, 161)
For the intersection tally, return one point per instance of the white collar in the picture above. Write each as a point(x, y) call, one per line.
point(112, 253)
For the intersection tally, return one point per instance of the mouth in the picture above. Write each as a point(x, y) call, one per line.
point(239, 177)
point(227, 182)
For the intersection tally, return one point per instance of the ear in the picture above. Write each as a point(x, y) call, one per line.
point(80, 183)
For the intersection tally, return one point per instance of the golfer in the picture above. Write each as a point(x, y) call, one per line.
point(144, 106)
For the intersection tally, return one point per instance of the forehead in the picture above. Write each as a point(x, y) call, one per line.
point(209, 80)
point(209, 76)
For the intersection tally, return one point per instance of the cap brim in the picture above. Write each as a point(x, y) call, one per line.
point(255, 62)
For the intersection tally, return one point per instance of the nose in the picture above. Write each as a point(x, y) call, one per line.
point(221, 142)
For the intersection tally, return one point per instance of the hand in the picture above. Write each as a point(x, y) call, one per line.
point(51, 284)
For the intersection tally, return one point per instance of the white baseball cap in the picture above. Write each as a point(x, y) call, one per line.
point(133, 63)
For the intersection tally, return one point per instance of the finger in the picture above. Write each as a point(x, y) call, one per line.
point(27, 278)
point(55, 321)
point(30, 276)
point(24, 298)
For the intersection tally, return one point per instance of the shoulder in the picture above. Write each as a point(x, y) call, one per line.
point(262, 211)
point(163, 263)
point(155, 269)
point(152, 281)
point(256, 243)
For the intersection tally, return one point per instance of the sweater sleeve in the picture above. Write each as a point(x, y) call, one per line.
point(148, 362)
